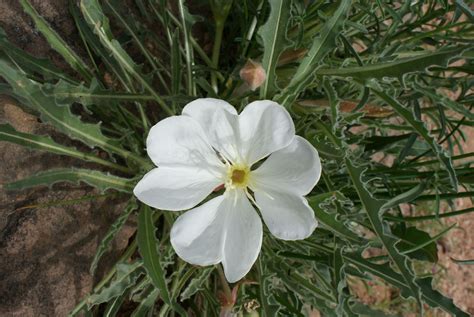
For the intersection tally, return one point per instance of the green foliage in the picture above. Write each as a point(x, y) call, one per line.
point(322, 45)
point(274, 38)
point(100, 180)
point(147, 245)
point(127, 275)
point(361, 79)
point(111, 233)
point(56, 42)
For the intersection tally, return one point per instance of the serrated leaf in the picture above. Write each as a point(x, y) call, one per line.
point(30, 63)
point(321, 46)
point(60, 116)
point(9, 134)
point(148, 247)
point(273, 35)
point(265, 291)
point(444, 101)
point(96, 179)
point(374, 208)
point(421, 129)
point(111, 233)
point(340, 282)
point(126, 277)
point(96, 46)
point(405, 280)
point(299, 283)
point(330, 220)
point(436, 299)
point(411, 237)
point(397, 69)
point(430, 296)
point(197, 283)
point(56, 42)
point(95, 17)
point(146, 304)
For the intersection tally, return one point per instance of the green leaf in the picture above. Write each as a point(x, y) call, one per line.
point(435, 299)
point(405, 197)
point(374, 208)
point(420, 245)
point(411, 237)
point(187, 21)
point(114, 305)
point(438, 98)
point(330, 220)
point(384, 271)
point(111, 233)
point(363, 310)
point(60, 116)
point(265, 291)
point(465, 9)
point(197, 283)
point(56, 42)
point(148, 247)
point(420, 127)
point(126, 277)
point(463, 262)
point(273, 34)
point(146, 304)
point(340, 282)
point(30, 63)
point(397, 68)
point(93, 42)
point(96, 179)
point(96, 19)
point(9, 134)
point(322, 45)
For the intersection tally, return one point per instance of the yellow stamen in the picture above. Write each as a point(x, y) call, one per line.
point(237, 176)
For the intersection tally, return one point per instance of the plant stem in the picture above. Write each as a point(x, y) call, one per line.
point(225, 285)
point(216, 49)
point(431, 217)
point(188, 50)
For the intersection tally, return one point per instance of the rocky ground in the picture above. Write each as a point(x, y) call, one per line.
point(46, 251)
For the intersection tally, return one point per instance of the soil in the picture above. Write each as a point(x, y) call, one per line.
point(46, 251)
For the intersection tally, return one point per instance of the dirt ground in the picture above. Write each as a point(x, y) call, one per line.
point(45, 252)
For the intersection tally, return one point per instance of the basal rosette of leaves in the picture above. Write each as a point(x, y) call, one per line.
point(360, 79)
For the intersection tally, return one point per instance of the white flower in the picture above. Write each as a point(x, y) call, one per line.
point(210, 145)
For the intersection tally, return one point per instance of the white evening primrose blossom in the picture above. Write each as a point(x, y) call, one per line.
point(209, 147)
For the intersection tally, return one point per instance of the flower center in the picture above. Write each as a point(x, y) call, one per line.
point(237, 176)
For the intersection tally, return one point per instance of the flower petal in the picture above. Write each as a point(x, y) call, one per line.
point(295, 168)
point(176, 188)
point(197, 235)
point(243, 239)
point(265, 127)
point(201, 109)
point(180, 140)
point(225, 229)
point(219, 121)
point(287, 216)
